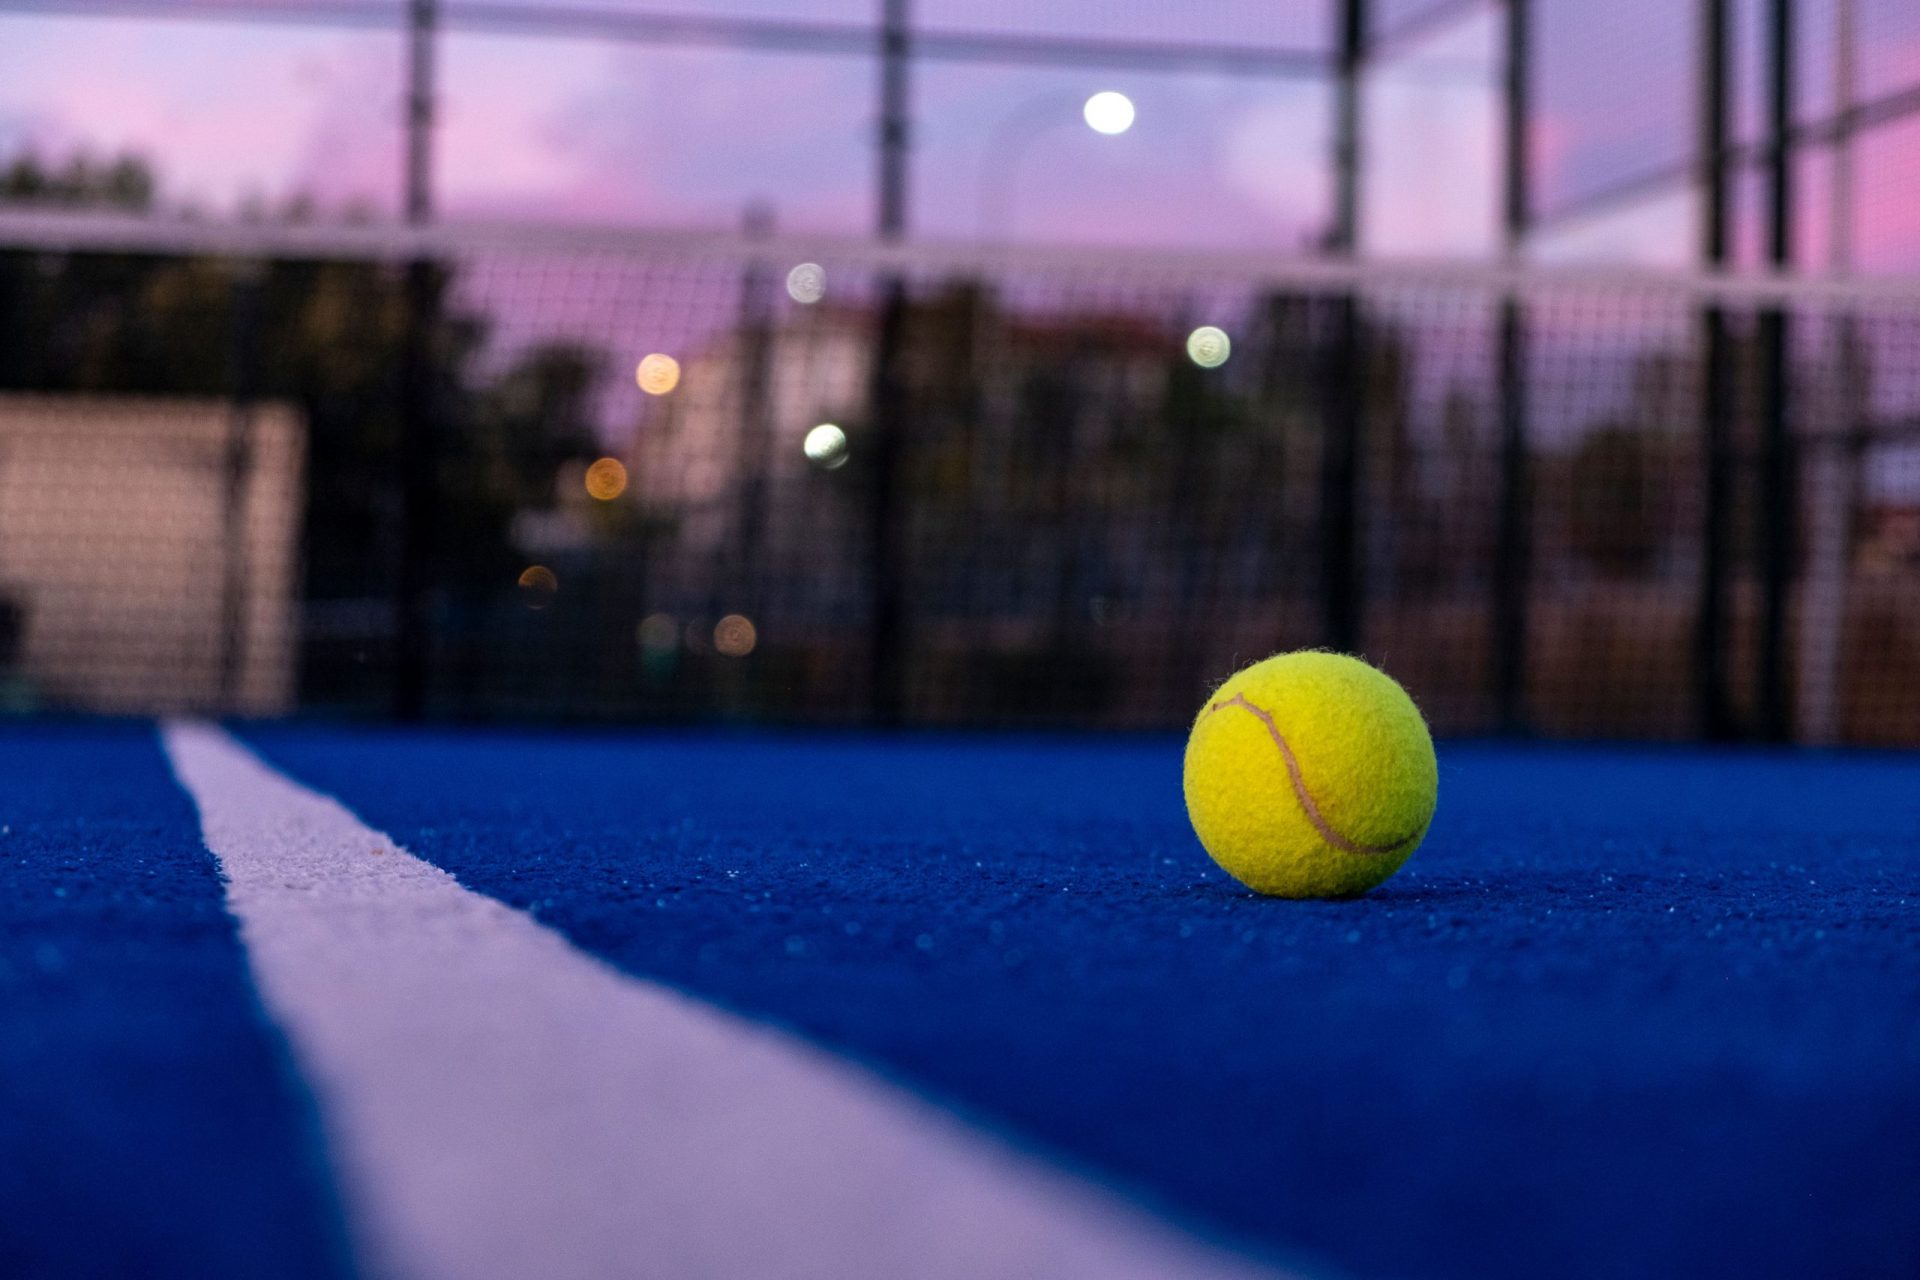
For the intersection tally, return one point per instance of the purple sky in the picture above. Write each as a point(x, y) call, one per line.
point(578, 130)
point(581, 130)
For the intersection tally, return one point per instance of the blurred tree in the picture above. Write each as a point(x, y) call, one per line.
point(535, 417)
point(125, 183)
point(327, 336)
point(1619, 510)
point(528, 433)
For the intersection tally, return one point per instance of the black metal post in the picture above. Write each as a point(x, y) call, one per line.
point(237, 465)
point(756, 419)
point(1350, 45)
point(887, 411)
point(896, 53)
point(1513, 550)
point(887, 402)
point(1341, 586)
point(418, 457)
point(1777, 508)
point(423, 21)
point(1710, 627)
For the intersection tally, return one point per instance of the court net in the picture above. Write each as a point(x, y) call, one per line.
point(564, 473)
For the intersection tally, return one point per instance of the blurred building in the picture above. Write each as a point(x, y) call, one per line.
point(149, 554)
point(741, 411)
point(1069, 486)
point(1004, 409)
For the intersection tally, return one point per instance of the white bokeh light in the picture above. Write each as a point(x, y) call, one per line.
point(807, 283)
point(826, 447)
point(658, 374)
point(1209, 346)
point(1109, 112)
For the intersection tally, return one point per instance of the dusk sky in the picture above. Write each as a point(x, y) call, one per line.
point(580, 130)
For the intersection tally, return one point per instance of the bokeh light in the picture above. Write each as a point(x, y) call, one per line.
point(826, 447)
point(606, 479)
point(658, 374)
point(1209, 347)
point(735, 636)
point(658, 633)
point(538, 586)
point(807, 283)
point(1109, 112)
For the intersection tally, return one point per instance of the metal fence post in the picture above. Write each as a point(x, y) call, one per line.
point(887, 387)
point(1710, 629)
point(418, 455)
point(756, 433)
point(1513, 559)
point(1831, 468)
point(1777, 508)
point(1342, 589)
point(1350, 46)
point(236, 467)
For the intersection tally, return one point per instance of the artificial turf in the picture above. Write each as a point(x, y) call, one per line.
point(151, 1123)
point(1627, 1013)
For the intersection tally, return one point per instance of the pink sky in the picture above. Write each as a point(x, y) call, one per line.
point(576, 130)
point(579, 130)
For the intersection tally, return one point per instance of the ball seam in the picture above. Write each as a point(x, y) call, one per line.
point(1300, 791)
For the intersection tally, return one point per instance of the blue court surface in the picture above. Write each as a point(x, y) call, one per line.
point(1629, 1012)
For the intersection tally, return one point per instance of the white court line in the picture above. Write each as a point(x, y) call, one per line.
point(500, 1104)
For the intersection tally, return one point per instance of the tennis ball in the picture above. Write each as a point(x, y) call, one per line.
point(1310, 775)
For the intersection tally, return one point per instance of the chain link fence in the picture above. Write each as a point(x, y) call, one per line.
point(508, 473)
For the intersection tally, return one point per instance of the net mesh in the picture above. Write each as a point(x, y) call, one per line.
point(520, 472)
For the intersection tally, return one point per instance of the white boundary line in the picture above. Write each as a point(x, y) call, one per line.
point(62, 231)
point(500, 1104)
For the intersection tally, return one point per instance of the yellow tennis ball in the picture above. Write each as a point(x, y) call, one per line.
point(1310, 775)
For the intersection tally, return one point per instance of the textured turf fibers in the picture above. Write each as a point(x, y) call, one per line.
point(150, 1124)
point(1625, 1013)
